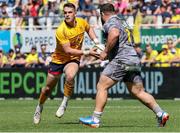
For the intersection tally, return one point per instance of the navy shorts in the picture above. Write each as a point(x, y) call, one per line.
point(56, 69)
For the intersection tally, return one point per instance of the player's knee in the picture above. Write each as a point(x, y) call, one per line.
point(69, 78)
point(137, 90)
point(136, 93)
point(101, 87)
point(139, 93)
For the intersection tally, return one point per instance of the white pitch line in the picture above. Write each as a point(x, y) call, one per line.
point(137, 108)
point(31, 112)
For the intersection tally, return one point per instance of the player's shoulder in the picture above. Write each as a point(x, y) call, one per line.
point(62, 24)
point(61, 27)
point(112, 21)
point(178, 50)
point(81, 20)
point(154, 52)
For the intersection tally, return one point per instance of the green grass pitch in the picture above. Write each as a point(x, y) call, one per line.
point(119, 116)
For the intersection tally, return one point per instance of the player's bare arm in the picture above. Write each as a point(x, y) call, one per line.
point(68, 50)
point(111, 41)
point(113, 36)
point(92, 35)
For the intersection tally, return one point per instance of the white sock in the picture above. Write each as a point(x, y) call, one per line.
point(157, 110)
point(159, 114)
point(65, 101)
point(97, 116)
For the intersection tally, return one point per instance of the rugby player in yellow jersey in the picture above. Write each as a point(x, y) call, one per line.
point(69, 38)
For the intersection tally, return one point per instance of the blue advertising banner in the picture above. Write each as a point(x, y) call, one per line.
point(5, 40)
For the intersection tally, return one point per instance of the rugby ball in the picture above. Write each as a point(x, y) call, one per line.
point(100, 48)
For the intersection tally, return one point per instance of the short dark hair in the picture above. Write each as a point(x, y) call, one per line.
point(34, 47)
point(169, 39)
point(148, 45)
point(43, 44)
point(107, 7)
point(11, 50)
point(71, 5)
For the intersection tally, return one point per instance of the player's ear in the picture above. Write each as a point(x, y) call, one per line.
point(75, 13)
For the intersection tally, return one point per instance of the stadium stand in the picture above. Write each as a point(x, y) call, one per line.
point(47, 14)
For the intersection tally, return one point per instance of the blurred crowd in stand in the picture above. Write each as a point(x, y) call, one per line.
point(15, 58)
point(168, 56)
point(19, 14)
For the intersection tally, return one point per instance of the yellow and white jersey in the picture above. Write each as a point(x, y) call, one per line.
point(152, 55)
point(72, 35)
point(164, 59)
point(32, 57)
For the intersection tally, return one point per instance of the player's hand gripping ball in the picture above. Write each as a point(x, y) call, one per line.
point(99, 48)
